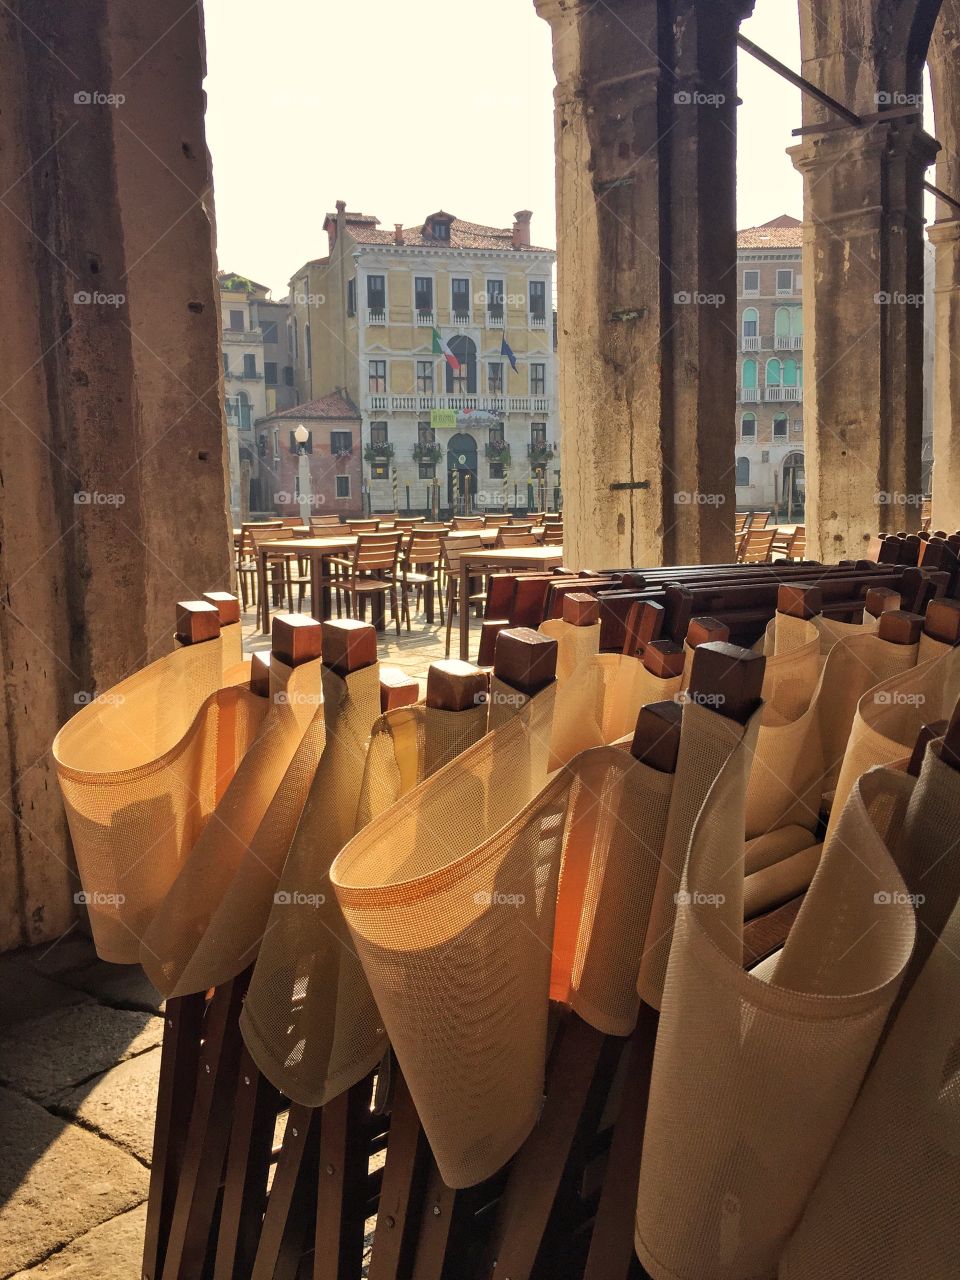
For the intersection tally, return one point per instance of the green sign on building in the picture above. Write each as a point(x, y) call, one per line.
point(443, 418)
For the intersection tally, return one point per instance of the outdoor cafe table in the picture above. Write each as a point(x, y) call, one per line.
point(315, 549)
point(473, 563)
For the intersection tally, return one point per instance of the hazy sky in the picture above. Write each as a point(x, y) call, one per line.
point(401, 109)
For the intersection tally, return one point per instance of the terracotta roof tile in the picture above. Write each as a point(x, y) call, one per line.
point(332, 407)
point(463, 235)
point(779, 233)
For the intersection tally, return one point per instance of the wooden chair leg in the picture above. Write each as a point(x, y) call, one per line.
point(342, 1184)
point(401, 1193)
point(192, 1221)
point(179, 1060)
point(247, 1171)
point(285, 1228)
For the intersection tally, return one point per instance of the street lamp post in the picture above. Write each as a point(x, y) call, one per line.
point(302, 435)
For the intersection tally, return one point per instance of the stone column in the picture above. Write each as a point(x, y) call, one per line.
point(646, 140)
point(863, 331)
point(945, 237)
point(112, 448)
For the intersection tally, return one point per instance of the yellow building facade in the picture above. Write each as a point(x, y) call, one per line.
point(363, 320)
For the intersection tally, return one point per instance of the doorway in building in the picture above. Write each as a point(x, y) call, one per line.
point(462, 473)
point(793, 488)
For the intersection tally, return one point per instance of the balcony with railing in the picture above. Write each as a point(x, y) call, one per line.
point(750, 343)
point(495, 320)
point(783, 393)
point(425, 319)
point(461, 318)
point(422, 403)
point(376, 315)
point(538, 322)
point(788, 342)
point(749, 395)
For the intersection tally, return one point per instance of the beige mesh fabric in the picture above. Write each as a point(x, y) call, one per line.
point(930, 648)
point(219, 903)
point(890, 716)
point(408, 745)
point(308, 1019)
point(231, 649)
point(141, 769)
point(792, 671)
point(453, 917)
point(600, 703)
point(754, 1076)
point(832, 631)
point(778, 866)
point(707, 741)
point(886, 1203)
point(575, 645)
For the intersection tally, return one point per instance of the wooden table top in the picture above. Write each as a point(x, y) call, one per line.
point(514, 555)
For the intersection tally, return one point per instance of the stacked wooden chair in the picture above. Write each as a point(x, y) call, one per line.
point(607, 952)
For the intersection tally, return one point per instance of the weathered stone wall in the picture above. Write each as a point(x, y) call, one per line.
point(112, 453)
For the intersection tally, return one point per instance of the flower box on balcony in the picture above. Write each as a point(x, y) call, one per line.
point(427, 455)
point(498, 453)
point(378, 453)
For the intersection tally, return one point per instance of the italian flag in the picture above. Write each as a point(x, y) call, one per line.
point(441, 348)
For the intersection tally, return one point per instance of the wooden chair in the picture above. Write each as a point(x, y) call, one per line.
point(321, 524)
point(520, 526)
point(553, 535)
point(285, 569)
point(740, 521)
point(409, 522)
point(758, 545)
point(372, 570)
point(508, 537)
point(363, 526)
point(760, 519)
point(798, 544)
point(468, 522)
point(420, 570)
point(495, 521)
point(247, 560)
point(453, 548)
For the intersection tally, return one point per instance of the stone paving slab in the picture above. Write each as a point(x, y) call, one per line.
point(53, 1053)
point(113, 1251)
point(26, 994)
point(120, 1104)
point(56, 1182)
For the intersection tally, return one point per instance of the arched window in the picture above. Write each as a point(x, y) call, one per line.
point(773, 373)
point(465, 381)
point(781, 322)
point(790, 373)
point(243, 409)
point(748, 426)
point(743, 471)
point(796, 322)
point(780, 426)
point(748, 374)
point(751, 319)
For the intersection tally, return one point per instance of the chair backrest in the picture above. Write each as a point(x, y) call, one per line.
point(292, 522)
point(553, 535)
point(422, 546)
point(364, 526)
point(740, 519)
point(798, 543)
point(376, 551)
point(434, 528)
point(552, 517)
point(758, 545)
point(245, 548)
point(408, 522)
point(759, 519)
point(494, 522)
point(260, 536)
point(323, 522)
point(468, 522)
point(453, 548)
point(508, 537)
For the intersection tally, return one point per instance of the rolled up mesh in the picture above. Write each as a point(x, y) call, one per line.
point(832, 631)
point(409, 744)
point(886, 1202)
point(599, 702)
point(308, 1019)
point(575, 645)
point(890, 716)
point(454, 923)
point(209, 925)
point(141, 769)
point(754, 1076)
point(707, 741)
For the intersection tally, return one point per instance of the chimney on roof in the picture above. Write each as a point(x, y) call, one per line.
point(521, 229)
point(398, 233)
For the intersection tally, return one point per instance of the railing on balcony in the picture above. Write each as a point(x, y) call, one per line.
point(377, 401)
point(495, 320)
point(792, 342)
point(461, 317)
point(425, 320)
point(783, 393)
point(420, 403)
point(750, 344)
point(749, 395)
point(376, 315)
point(538, 322)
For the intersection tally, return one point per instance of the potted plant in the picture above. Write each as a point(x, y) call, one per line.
point(498, 451)
point(378, 453)
point(540, 453)
point(427, 453)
